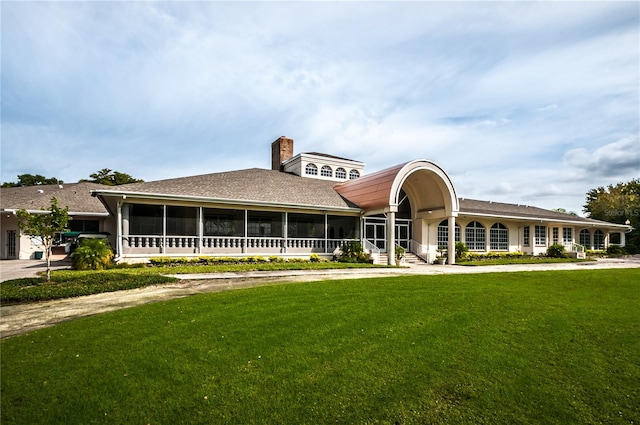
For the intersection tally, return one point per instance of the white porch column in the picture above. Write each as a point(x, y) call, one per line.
point(119, 229)
point(391, 238)
point(451, 248)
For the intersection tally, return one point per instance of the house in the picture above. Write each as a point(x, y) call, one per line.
point(310, 203)
point(87, 215)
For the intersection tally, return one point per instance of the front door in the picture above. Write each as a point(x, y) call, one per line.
point(403, 233)
point(11, 244)
point(375, 232)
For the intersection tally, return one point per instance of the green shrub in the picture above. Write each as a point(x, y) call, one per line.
point(352, 252)
point(276, 259)
point(315, 258)
point(556, 251)
point(462, 252)
point(400, 252)
point(616, 250)
point(92, 254)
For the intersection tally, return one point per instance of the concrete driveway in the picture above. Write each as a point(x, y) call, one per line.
point(16, 269)
point(20, 319)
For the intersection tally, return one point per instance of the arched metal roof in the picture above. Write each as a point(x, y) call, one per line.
point(427, 185)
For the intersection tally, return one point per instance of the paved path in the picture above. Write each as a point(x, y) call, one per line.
point(19, 319)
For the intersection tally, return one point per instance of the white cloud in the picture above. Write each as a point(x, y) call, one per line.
point(613, 160)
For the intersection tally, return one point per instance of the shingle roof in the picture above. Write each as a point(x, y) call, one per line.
point(474, 206)
point(76, 196)
point(250, 185)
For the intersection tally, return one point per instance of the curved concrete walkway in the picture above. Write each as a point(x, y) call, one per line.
point(19, 319)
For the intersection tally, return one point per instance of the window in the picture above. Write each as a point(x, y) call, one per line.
point(76, 225)
point(499, 237)
point(526, 237)
point(598, 239)
point(540, 235)
point(443, 233)
point(585, 238)
point(311, 169)
point(615, 238)
point(556, 235)
point(341, 173)
point(326, 171)
point(475, 236)
point(567, 235)
point(354, 174)
point(182, 221)
point(145, 219)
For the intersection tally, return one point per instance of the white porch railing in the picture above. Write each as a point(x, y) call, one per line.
point(579, 250)
point(233, 244)
point(419, 250)
point(368, 246)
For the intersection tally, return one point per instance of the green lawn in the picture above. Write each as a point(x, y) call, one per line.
point(537, 348)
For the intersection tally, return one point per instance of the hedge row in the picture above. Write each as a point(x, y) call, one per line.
point(204, 261)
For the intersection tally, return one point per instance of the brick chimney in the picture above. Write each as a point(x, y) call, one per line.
point(281, 150)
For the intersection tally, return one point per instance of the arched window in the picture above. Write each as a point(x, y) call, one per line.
point(475, 236)
point(598, 239)
point(311, 169)
point(499, 237)
point(443, 233)
point(585, 238)
point(326, 171)
point(341, 173)
point(354, 174)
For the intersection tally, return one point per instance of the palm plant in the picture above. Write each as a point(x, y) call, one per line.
point(92, 254)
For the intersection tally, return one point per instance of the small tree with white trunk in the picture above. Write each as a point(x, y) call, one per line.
point(45, 226)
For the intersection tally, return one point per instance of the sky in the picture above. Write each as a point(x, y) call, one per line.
point(532, 103)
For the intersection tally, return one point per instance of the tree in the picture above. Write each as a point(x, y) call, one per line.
point(111, 178)
point(45, 226)
point(617, 204)
point(32, 180)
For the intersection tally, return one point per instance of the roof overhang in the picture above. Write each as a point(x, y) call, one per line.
point(121, 196)
point(578, 223)
point(71, 213)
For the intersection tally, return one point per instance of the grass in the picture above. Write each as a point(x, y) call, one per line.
point(504, 348)
point(75, 283)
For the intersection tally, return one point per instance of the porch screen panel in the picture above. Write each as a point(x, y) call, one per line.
point(305, 225)
point(341, 227)
point(475, 236)
point(182, 221)
point(145, 219)
point(221, 222)
point(264, 224)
